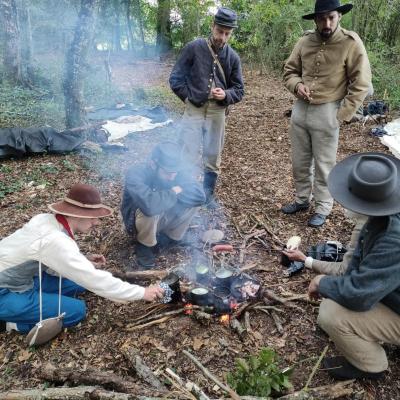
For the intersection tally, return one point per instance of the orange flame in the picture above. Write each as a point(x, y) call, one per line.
point(188, 309)
point(225, 319)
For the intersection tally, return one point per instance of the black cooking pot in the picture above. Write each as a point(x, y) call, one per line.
point(199, 296)
point(222, 295)
point(172, 280)
point(223, 277)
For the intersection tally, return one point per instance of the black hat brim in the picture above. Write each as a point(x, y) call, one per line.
point(339, 189)
point(344, 9)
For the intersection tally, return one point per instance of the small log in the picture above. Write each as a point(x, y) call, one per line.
point(201, 316)
point(209, 375)
point(278, 322)
point(142, 370)
point(273, 296)
point(90, 376)
point(141, 275)
point(237, 326)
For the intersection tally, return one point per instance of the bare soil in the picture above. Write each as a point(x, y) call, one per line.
point(256, 181)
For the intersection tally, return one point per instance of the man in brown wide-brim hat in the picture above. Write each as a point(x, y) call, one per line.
point(329, 73)
point(49, 240)
point(361, 309)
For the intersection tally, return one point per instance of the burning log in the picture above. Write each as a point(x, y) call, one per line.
point(142, 370)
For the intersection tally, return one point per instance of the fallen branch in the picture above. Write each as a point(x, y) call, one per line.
point(267, 308)
point(237, 326)
point(316, 366)
point(142, 370)
point(269, 231)
point(328, 392)
point(278, 322)
point(273, 296)
point(192, 389)
point(209, 375)
point(67, 393)
point(155, 322)
point(90, 376)
point(154, 317)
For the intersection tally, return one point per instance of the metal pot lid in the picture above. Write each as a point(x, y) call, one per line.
point(223, 273)
point(199, 291)
point(202, 269)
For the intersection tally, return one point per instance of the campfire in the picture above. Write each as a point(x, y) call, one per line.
point(214, 287)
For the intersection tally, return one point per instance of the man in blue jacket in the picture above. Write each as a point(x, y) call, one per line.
point(208, 78)
point(160, 199)
point(361, 309)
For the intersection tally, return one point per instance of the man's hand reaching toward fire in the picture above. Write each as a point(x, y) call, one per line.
point(152, 293)
point(218, 94)
point(97, 260)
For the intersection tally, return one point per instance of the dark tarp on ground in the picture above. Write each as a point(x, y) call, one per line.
point(18, 142)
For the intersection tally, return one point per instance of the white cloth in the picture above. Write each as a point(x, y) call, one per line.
point(392, 139)
point(44, 237)
point(123, 126)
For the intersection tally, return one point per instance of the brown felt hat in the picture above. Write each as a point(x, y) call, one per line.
point(82, 201)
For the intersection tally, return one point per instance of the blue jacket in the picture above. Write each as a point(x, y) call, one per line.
point(195, 68)
point(373, 274)
point(145, 191)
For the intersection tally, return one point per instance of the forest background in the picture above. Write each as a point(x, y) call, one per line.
point(37, 39)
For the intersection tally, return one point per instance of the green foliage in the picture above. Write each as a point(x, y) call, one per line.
point(259, 375)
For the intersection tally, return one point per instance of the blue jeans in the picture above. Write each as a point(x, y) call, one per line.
point(23, 308)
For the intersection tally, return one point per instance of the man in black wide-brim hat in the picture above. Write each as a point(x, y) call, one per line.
point(361, 309)
point(329, 73)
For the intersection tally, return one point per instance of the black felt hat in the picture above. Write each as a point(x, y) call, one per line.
point(367, 183)
point(226, 17)
point(325, 6)
point(169, 156)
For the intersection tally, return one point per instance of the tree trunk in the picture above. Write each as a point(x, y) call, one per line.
point(27, 71)
point(74, 64)
point(12, 53)
point(164, 43)
point(131, 39)
point(139, 17)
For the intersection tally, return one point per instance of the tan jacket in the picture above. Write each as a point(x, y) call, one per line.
point(335, 69)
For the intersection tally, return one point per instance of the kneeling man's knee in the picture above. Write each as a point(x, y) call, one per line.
point(329, 316)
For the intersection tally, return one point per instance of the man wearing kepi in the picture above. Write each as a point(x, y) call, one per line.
point(159, 201)
point(329, 73)
point(208, 78)
point(361, 309)
point(48, 241)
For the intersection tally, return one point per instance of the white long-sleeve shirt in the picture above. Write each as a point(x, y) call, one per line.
point(44, 238)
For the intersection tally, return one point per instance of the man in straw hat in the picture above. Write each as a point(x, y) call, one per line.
point(48, 239)
point(361, 309)
point(208, 78)
point(329, 73)
point(159, 201)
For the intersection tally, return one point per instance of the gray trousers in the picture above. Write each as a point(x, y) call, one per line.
point(314, 135)
point(203, 133)
point(358, 335)
point(174, 223)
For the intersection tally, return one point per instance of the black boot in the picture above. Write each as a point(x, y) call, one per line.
point(145, 256)
point(209, 183)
